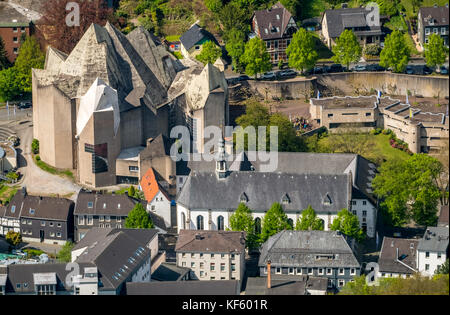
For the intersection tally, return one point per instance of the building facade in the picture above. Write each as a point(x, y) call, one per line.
point(397, 258)
point(432, 251)
point(433, 20)
point(212, 255)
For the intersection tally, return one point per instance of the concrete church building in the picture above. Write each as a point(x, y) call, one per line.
point(97, 108)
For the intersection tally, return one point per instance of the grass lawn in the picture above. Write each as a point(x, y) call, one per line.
point(177, 54)
point(397, 23)
point(50, 169)
point(173, 38)
point(7, 192)
point(322, 50)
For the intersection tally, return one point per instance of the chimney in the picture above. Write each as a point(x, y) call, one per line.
point(269, 271)
point(397, 253)
point(24, 191)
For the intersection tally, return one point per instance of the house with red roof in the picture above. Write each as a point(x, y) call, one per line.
point(158, 200)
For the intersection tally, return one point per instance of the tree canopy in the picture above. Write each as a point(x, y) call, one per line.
point(235, 45)
point(348, 223)
point(435, 51)
point(65, 254)
point(138, 218)
point(308, 220)
point(347, 48)
point(242, 220)
point(256, 57)
point(209, 54)
point(409, 189)
point(30, 56)
point(274, 221)
point(13, 238)
point(301, 51)
point(396, 52)
point(4, 61)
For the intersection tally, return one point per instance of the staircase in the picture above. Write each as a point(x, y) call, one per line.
point(5, 133)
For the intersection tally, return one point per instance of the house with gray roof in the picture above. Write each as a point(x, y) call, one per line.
point(224, 287)
point(193, 39)
point(433, 20)
point(327, 182)
point(304, 285)
point(432, 251)
point(334, 22)
point(293, 254)
point(398, 257)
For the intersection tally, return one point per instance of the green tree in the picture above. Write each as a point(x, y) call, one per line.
point(357, 287)
point(409, 189)
point(235, 45)
point(35, 146)
point(309, 221)
point(443, 270)
point(274, 221)
point(30, 56)
point(302, 51)
point(435, 51)
point(347, 48)
point(242, 220)
point(348, 224)
point(138, 218)
point(65, 254)
point(209, 54)
point(396, 52)
point(214, 5)
point(234, 16)
point(9, 88)
point(13, 238)
point(388, 7)
point(4, 61)
point(131, 191)
point(256, 57)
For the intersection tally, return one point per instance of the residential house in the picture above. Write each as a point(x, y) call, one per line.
point(327, 182)
point(334, 22)
point(212, 255)
point(433, 20)
point(120, 256)
point(193, 39)
point(275, 26)
point(39, 219)
point(398, 258)
point(13, 25)
point(94, 209)
point(221, 287)
point(158, 200)
point(293, 254)
point(432, 251)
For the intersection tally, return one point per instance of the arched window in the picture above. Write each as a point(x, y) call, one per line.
point(258, 226)
point(183, 221)
point(220, 221)
point(200, 222)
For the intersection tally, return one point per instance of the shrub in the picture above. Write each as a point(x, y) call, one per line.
point(13, 238)
point(372, 50)
point(35, 146)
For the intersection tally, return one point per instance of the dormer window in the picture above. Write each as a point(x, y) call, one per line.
point(118, 206)
point(104, 206)
point(243, 198)
point(278, 17)
point(90, 204)
point(32, 211)
point(285, 200)
point(13, 209)
point(327, 200)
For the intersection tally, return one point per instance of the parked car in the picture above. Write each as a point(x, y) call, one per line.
point(23, 105)
point(268, 76)
point(374, 67)
point(288, 73)
point(360, 68)
point(409, 70)
point(243, 77)
point(336, 68)
point(443, 70)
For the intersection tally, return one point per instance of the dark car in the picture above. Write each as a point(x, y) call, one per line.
point(374, 67)
point(23, 105)
point(427, 70)
point(242, 78)
point(289, 73)
point(444, 70)
point(409, 70)
point(360, 68)
point(336, 68)
point(268, 76)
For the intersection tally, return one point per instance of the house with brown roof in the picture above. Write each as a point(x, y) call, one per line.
point(433, 20)
point(398, 258)
point(212, 255)
point(158, 200)
point(39, 219)
point(275, 26)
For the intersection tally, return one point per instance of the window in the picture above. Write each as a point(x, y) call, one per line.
point(42, 223)
point(29, 222)
point(153, 208)
point(368, 114)
point(341, 271)
point(183, 255)
point(299, 271)
point(197, 47)
point(58, 234)
point(222, 255)
point(233, 256)
point(15, 51)
point(81, 220)
point(200, 222)
point(291, 270)
point(202, 265)
point(90, 204)
point(101, 218)
point(442, 30)
point(192, 264)
point(90, 220)
point(329, 271)
point(427, 254)
point(330, 283)
point(310, 271)
point(212, 266)
point(427, 267)
point(212, 255)
point(32, 211)
point(52, 234)
point(354, 202)
point(15, 29)
point(364, 213)
point(435, 30)
point(50, 224)
point(341, 282)
point(192, 255)
point(22, 29)
point(107, 218)
point(119, 219)
point(133, 168)
point(278, 270)
point(364, 202)
point(321, 271)
point(233, 267)
point(13, 209)
point(439, 255)
point(183, 264)
point(59, 224)
point(352, 271)
point(202, 274)
point(220, 224)
point(276, 44)
point(354, 212)
point(222, 267)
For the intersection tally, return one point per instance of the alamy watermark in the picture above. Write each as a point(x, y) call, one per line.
point(73, 17)
point(373, 17)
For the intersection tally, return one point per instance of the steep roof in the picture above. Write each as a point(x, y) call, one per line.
point(103, 204)
point(435, 239)
point(150, 186)
point(273, 22)
point(325, 193)
point(157, 147)
point(195, 34)
point(11, 17)
point(210, 241)
point(443, 216)
point(406, 262)
point(300, 248)
point(212, 287)
point(434, 16)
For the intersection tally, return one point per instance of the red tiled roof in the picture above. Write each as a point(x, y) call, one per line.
point(150, 186)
